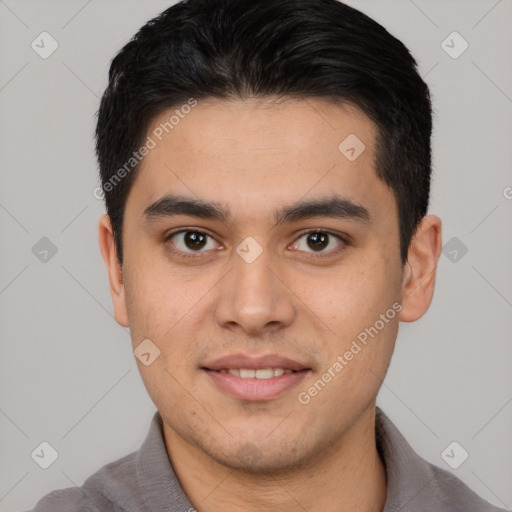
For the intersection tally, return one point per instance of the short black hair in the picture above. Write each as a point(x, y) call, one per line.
point(226, 49)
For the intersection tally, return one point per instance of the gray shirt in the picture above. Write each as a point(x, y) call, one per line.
point(144, 481)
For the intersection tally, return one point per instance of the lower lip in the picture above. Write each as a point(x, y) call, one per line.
point(255, 389)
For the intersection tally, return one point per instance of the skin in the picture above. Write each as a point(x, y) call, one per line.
point(255, 156)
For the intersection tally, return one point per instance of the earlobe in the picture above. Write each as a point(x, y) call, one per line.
point(115, 272)
point(420, 269)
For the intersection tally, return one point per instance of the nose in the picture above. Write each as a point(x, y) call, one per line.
point(255, 297)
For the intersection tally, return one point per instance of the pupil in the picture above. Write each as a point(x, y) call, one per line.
point(195, 240)
point(317, 240)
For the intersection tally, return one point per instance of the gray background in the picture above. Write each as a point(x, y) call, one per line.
point(68, 375)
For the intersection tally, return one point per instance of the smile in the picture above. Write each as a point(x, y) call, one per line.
point(250, 373)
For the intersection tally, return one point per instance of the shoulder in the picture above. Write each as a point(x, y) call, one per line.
point(138, 482)
point(108, 490)
point(413, 483)
point(455, 495)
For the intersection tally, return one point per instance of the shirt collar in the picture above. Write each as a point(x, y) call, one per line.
point(408, 475)
point(162, 491)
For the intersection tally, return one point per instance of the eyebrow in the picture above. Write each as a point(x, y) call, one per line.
point(332, 207)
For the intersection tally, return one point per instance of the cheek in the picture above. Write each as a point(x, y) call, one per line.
point(166, 306)
point(350, 297)
point(151, 289)
point(350, 303)
point(162, 310)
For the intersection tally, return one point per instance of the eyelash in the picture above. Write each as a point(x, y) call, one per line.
point(193, 255)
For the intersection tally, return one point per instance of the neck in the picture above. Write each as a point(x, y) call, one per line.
point(349, 476)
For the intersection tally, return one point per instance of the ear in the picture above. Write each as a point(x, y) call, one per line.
point(115, 271)
point(420, 269)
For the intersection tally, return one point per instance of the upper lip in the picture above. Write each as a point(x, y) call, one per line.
point(254, 362)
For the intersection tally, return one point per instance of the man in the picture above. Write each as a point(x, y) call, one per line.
point(266, 170)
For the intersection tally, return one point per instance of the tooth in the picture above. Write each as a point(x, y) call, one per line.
point(261, 373)
point(264, 373)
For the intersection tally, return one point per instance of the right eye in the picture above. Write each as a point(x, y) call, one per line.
point(191, 241)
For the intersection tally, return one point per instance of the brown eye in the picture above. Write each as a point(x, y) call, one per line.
point(191, 241)
point(317, 241)
point(194, 240)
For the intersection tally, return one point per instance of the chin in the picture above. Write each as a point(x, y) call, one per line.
point(262, 458)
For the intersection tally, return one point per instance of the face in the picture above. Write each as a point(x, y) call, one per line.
point(262, 260)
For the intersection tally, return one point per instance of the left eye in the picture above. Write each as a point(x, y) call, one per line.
point(317, 241)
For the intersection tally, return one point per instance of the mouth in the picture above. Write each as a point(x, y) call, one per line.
point(260, 373)
point(256, 378)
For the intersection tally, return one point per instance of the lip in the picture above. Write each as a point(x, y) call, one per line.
point(254, 362)
point(255, 390)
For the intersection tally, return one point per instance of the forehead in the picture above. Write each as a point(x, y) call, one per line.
point(258, 152)
point(262, 124)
